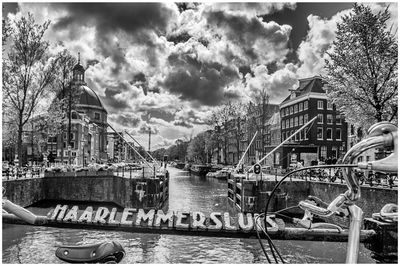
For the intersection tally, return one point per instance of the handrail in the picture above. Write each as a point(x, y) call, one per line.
point(144, 160)
point(154, 160)
point(283, 142)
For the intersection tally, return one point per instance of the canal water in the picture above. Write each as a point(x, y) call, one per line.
point(28, 244)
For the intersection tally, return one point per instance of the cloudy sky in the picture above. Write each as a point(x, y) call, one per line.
point(167, 66)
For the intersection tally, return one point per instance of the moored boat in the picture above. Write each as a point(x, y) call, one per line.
point(199, 169)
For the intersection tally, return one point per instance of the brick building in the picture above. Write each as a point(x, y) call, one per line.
point(325, 138)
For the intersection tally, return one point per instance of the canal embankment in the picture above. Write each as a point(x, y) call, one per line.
point(251, 196)
point(92, 187)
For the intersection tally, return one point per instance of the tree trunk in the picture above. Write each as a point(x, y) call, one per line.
point(19, 142)
point(69, 126)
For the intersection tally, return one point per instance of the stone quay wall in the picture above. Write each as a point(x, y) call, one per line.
point(249, 196)
point(134, 193)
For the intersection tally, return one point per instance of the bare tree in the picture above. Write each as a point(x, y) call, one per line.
point(27, 71)
point(258, 121)
point(67, 95)
point(220, 118)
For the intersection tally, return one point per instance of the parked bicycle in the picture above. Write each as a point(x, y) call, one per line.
point(382, 135)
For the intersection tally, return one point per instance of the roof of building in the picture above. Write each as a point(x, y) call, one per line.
point(79, 67)
point(307, 85)
point(89, 97)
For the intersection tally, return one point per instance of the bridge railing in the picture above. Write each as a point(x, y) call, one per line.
point(15, 173)
point(335, 175)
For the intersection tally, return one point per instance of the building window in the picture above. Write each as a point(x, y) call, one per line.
point(329, 119)
point(295, 108)
point(329, 105)
point(97, 116)
point(283, 136)
point(301, 120)
point(296, 138)
point(338, 119)
point(296, 121)
point(286, 111)
point(320, 119)
point(329, 133)
point(291, 110)
point(283, 124)
point(291, 122)
point(301, 135)
point(282, 112)
point(368, 158)
point(306, 105)
point(287, 123)
point(338, 134)
point(305, 118)
point(300, 106)
point(306, 133)
point(73, 154)
point(320, 135)
point(320, 105)
point(323, 152)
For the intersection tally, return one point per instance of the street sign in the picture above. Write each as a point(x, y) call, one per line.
point(257, 169)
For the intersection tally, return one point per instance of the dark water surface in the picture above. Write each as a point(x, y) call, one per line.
point(28, 244)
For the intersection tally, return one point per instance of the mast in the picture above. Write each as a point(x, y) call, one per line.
point(154, 160)
point(130, 146)
point(247, 149)
point(283, 142)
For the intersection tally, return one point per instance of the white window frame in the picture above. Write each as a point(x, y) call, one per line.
point(305, 133)
point(300, 120)
point(324, 152)
point(300, 106)
point(327, 137)
point(305, 118)
point(320, 105)
point(290, 110)
point(305, 105)
point(338, 130)
point(320, 121)
point(295, 109)
point(296, 121)
point(322, 133)
point(329, 105)
point(327, 119)
point(338, 122)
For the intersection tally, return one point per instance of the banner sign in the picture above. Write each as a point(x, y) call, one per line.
point(180, 220)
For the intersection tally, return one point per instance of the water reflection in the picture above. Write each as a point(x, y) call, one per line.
point(27, 244)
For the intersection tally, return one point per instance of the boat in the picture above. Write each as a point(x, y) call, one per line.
point(224, 173)
point(200, 169)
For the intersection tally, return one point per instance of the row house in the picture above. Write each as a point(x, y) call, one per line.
point(324, 138)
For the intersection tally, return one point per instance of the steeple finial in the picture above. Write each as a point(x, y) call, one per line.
point(79, 57)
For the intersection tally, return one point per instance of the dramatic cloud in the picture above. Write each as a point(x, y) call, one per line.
point(195, 79)
point(275, 84)
point(168, 66)
point(126, 120)
point(251, 9)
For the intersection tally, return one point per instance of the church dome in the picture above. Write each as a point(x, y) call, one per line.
point(78, 67)
point(89, 98)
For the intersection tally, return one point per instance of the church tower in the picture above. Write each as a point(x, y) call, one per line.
point(78, 73)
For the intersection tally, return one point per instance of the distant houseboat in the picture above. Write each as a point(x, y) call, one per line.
point(200, 170)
